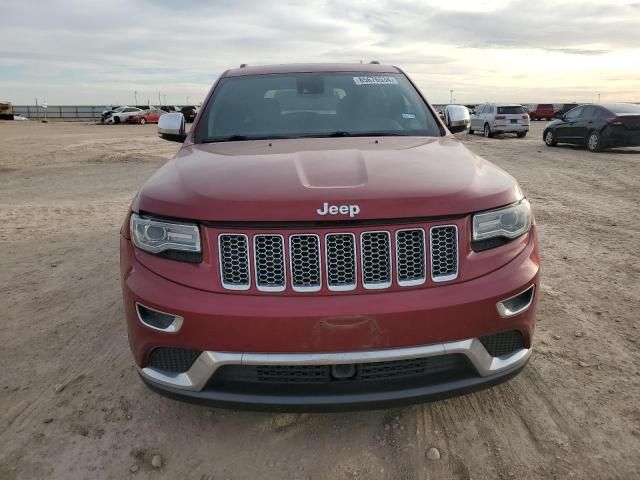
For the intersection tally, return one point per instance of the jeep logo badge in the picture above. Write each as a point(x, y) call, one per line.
point(352, 210)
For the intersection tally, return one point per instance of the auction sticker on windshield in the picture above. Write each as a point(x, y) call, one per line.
point(375, 80)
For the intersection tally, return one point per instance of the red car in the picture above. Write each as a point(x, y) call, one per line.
point(322, 241)
point(152, 115)
point(542, 111)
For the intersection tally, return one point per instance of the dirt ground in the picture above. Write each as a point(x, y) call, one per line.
point(72, 406)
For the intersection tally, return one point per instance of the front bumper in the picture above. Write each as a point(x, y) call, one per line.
point(233, 330)
point(195, 386)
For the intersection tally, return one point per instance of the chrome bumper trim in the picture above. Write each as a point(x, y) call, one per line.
point(207, 363)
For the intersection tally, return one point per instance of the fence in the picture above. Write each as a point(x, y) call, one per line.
point(60, 111)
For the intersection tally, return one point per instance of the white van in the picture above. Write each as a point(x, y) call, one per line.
point(493, 118)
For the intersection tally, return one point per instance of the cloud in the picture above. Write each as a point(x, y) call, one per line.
point(75, 50)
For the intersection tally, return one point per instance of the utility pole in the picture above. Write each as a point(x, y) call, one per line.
point(165, 99)
point(598, 98)
point(37, 111)
point(159, 101)
point(451, 99)
point(135, 96)
point(187, 99)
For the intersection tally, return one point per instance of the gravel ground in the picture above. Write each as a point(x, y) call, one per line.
point(72, 407)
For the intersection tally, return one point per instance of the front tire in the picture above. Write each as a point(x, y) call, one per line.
point(487, 131)
point(594, 141)
point(142, 121)
point(470, 131)
point(116, 120)
point(550, 139)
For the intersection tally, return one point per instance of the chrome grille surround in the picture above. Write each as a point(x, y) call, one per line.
point(305, 263)
point(340, 256)
point(443, 252)
point(375, 259)
point(411, 273)
point(235, 268)
point(268, 262)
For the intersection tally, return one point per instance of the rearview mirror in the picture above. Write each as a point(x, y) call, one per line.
point(457, 118)
point(171, 126)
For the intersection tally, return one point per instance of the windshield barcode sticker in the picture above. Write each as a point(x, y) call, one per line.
point(376, 80)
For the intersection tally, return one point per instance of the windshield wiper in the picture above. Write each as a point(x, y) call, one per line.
point(240, 138)
point(342, 133)
point(230, 138)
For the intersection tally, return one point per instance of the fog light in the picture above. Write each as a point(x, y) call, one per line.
point(165, 322)
point(516, 304)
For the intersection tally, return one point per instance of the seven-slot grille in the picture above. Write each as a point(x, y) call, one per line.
point(344, 261)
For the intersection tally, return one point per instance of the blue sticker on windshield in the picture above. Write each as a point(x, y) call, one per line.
point(408, 115)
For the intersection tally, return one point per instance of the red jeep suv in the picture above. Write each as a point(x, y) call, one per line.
point(542, 111)
point(322, 241)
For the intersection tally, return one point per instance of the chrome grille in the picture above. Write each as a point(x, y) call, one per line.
point(302, 262)
point(410, 256)
point(304, 251)
point(341, 261)
point(234, 261)
point(268, 251)
point(444, 253)
point(375, 253)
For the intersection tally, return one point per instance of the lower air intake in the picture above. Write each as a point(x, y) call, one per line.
point(175, 360)
point(503, 343)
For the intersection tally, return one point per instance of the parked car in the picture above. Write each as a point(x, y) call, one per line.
point(495, 118)
point(598, 127)
point(121, 115)
point(564, 108)
point(542, 111)
point(331, 247)
point(111, 109)
point(189, 112)
point(6, 111)
point(150, 115)
point(168, 108)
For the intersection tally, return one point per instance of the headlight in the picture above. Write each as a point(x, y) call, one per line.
point(157, 236)
point(509, 222)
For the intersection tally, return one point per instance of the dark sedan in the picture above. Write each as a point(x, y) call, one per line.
point(597, 127)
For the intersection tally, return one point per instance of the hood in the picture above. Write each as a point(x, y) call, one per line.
point(297, 180)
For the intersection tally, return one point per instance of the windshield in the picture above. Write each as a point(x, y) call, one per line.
point(624, 108)
point(298, 105)
point(511, 110)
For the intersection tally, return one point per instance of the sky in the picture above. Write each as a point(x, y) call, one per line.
point(82, 52)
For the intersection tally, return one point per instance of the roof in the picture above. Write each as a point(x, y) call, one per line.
point(310, 68)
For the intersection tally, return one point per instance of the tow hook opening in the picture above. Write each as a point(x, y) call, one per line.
point(516, 304)
point(343, 371)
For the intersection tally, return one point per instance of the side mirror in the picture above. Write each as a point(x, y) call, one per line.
point(558, 115)
point(457, 118)
point(171, 127)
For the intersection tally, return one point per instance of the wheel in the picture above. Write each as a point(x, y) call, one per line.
point(143, 121)
point(521, 134)
point(594, 142)
point(550, 139)
point(470, 131)
point(116, 120)
point(487, 131)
